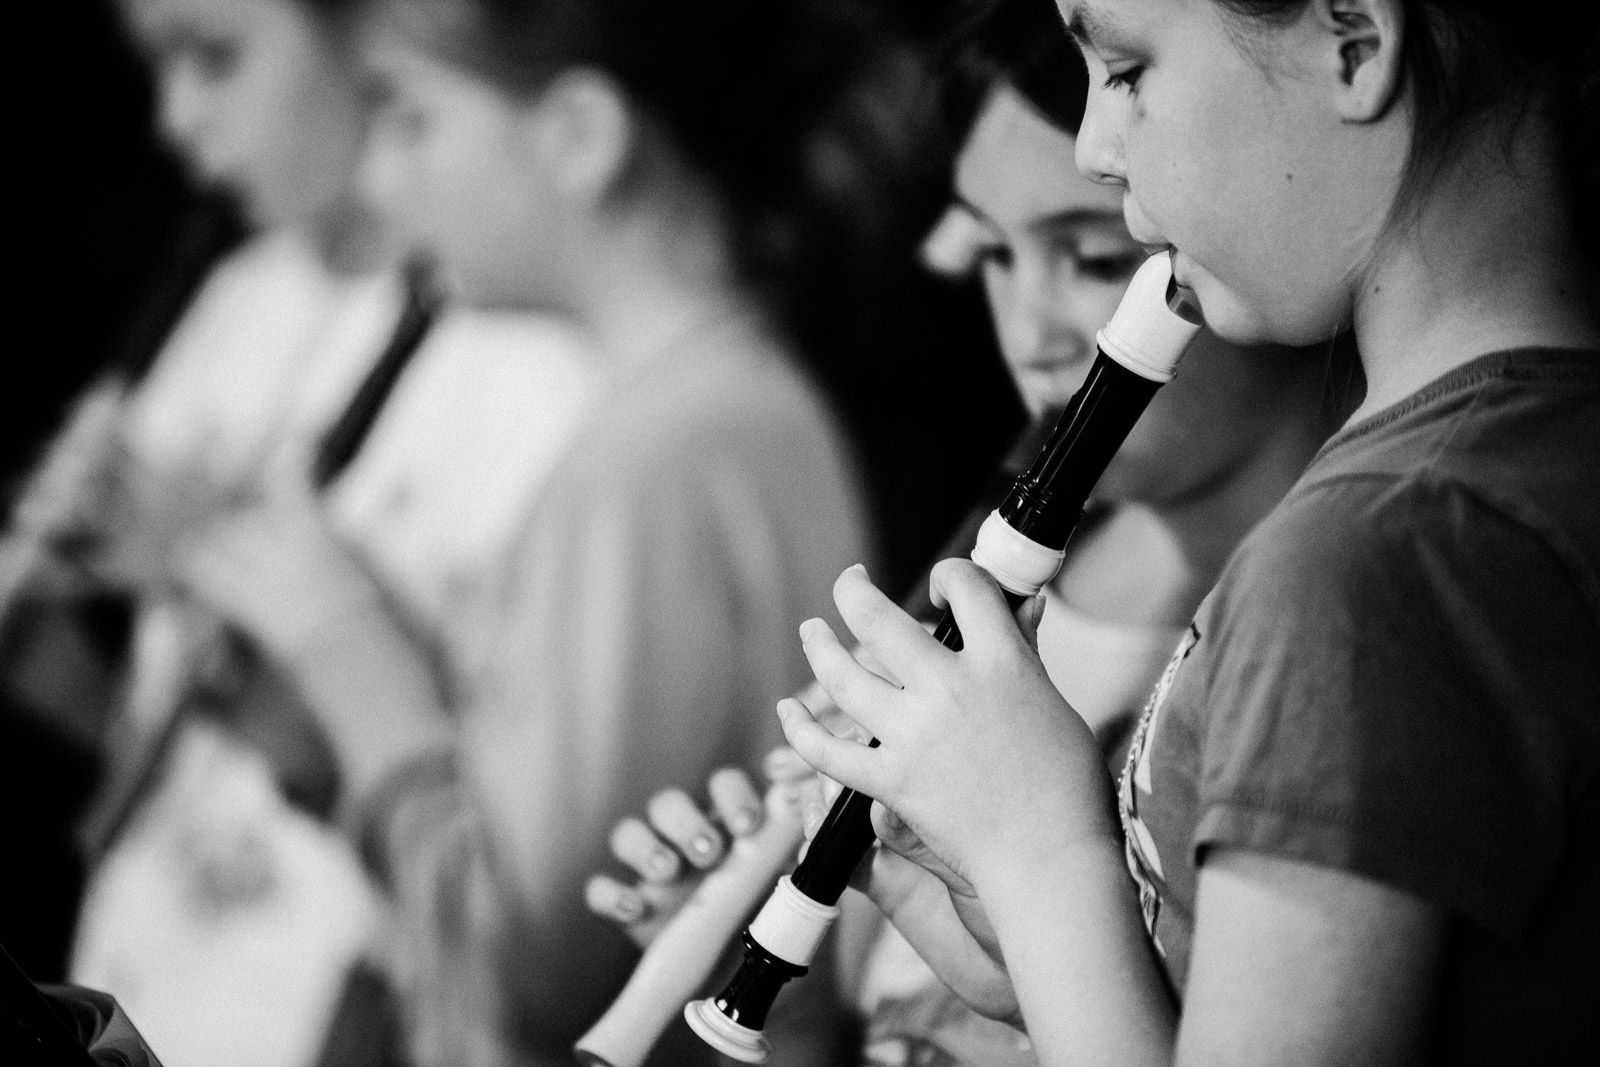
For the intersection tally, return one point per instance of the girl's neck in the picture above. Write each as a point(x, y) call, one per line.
point(646, 285)
point(1486, 265)
point(349, 240)
point(1151, 564)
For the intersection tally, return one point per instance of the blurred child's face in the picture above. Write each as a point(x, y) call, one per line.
point(1050, 245)
point(453, 165)
point(1236, 155)
point(259, 97)
point(1056, 259)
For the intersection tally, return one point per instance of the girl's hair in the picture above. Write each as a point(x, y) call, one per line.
point(792, 113)
point(1465, 58)
point(811, 124)
point(1015, 43)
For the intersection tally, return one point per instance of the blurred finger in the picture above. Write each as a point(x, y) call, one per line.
point(783, 764)
point(636, 845)
point(735, 800)
point(679, 820)
point(611, 899)
point(813, 810)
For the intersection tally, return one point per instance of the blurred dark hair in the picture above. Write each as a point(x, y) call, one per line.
point(1015, 43)
point(1465, 58)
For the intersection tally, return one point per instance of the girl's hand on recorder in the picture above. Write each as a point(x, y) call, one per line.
point(979, 756)
point(677, 843)
point(940, 916)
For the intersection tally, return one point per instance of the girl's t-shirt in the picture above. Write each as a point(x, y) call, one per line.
point(1398, 675)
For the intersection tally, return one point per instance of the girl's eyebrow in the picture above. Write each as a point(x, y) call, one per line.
point(1090, 27)
point(1077, 219)
point(972, 209)
point(1072, 218)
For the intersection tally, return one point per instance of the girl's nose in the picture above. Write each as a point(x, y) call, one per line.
point(181, 109)
point(1099, 151)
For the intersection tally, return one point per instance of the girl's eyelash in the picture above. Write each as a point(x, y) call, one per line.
point(1126, 79)
point(1110, 268)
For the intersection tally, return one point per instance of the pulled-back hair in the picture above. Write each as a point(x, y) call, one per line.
point(811, 125)
point(792, 114)
point(1466, 58)
point(1015, 43)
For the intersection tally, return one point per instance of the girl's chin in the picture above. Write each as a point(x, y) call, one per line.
point(1039, 405)
point(1041, 393)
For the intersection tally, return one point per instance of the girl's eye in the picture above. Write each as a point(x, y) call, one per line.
point(1127, 78)
point(405, 120)
point(997, 255)
point(214, 60)
point(413, 123)
point(1110, 268)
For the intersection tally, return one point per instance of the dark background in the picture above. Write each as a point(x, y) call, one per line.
point(94, 209)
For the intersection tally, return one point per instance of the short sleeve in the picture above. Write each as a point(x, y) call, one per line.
point(1408, 694)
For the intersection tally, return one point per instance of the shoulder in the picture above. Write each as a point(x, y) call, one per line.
point(269, 264)
point(1499, 454)
point(715, 416)
point(1366, 559)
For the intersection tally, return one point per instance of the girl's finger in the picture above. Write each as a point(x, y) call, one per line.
point(681, 823)
point(1028, 615)
point(859, 693)
point(610, 899)
point(636, 845)
point(918, 904)
point(889, 637)
point(979, 606)
point(893, 831)
point(735, 800)
point(847, 762)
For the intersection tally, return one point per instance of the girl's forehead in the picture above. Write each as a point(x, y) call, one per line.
point(1090, 23)
point(1104, 24)
point(1018, 167)
point(173, 23)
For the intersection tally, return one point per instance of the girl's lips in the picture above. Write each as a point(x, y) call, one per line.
point(1179, 269)
point(1181, 297)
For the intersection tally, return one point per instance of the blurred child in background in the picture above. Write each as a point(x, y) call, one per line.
point(397, 438)
point(661, 178)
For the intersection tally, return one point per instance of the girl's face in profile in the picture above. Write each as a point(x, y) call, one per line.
point(456, 168)
point(259, 97)
point(1230, 149)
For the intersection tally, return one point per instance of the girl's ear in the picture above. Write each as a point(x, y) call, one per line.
point(583, 131)
point(1364, 39)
